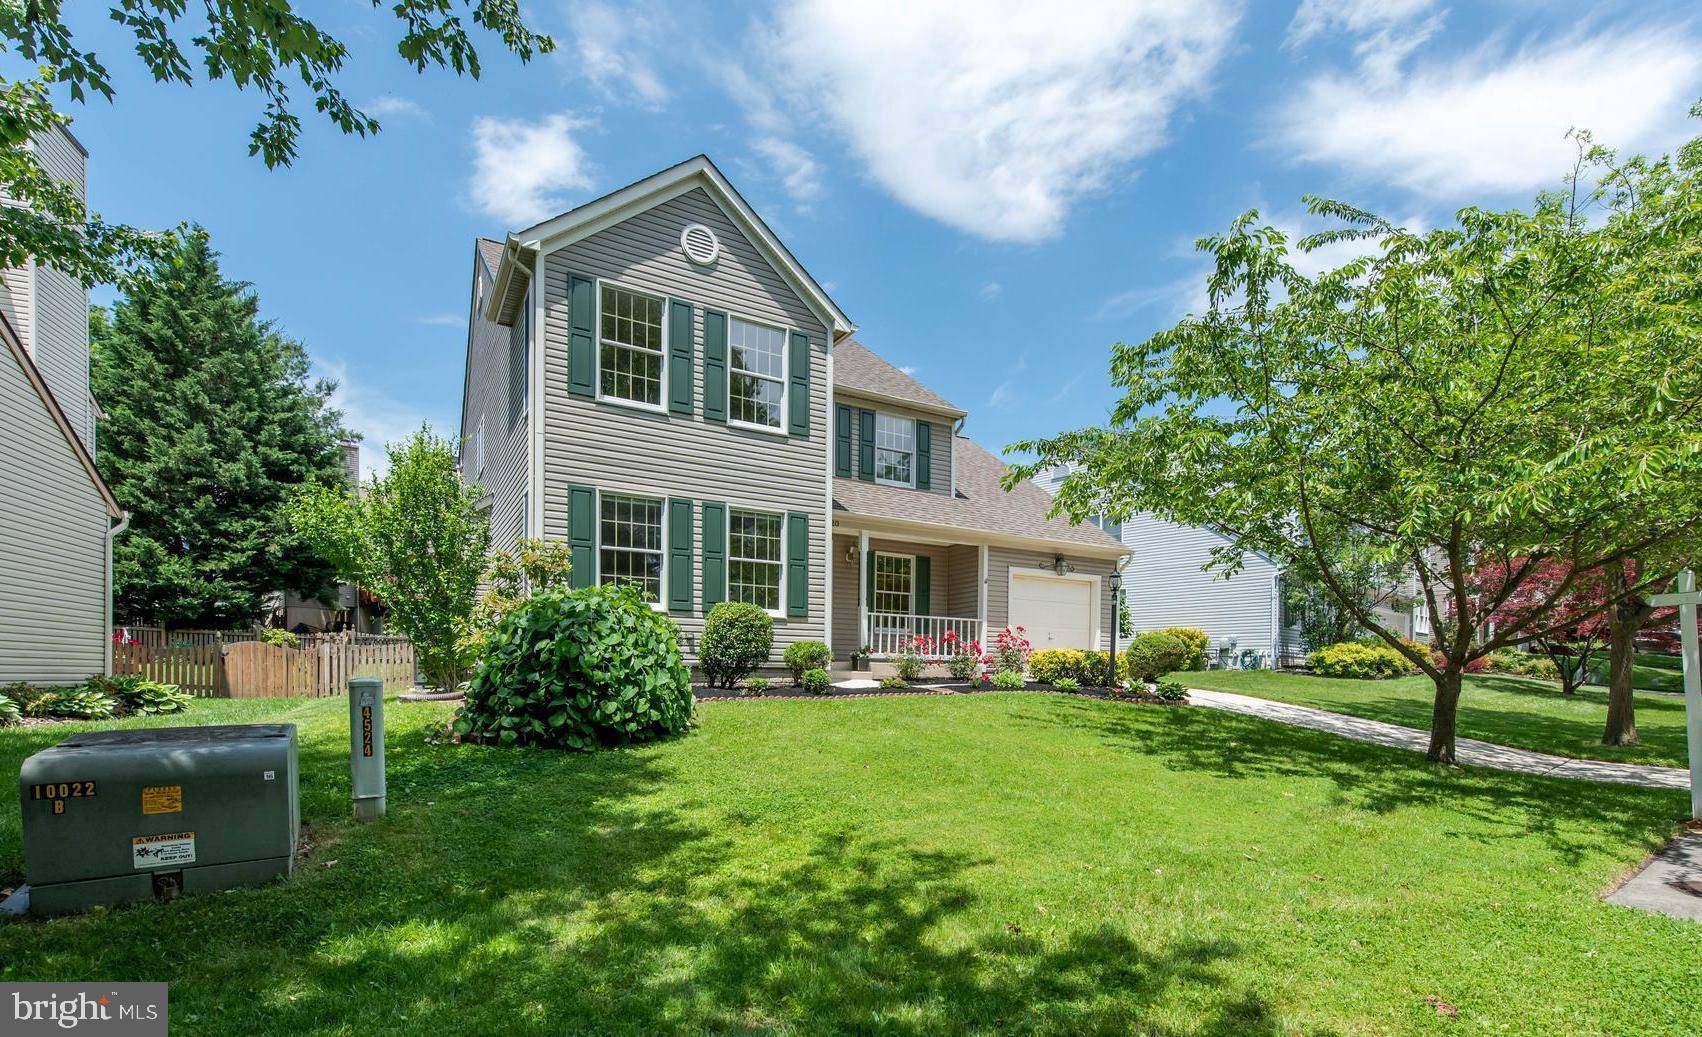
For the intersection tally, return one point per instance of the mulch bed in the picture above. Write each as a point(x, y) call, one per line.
point(922, 687)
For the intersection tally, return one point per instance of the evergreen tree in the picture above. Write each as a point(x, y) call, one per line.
point(211, 423)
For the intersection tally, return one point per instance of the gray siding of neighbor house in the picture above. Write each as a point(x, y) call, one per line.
point(53, 526)
point(616, 448)
point(1000, 562)
point(497, 362)
point(940, 438)
point(1168, 587)
point(56, 333)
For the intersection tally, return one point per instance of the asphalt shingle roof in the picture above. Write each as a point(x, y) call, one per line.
point(857, 367)
point(981, 503)
point(491, 251)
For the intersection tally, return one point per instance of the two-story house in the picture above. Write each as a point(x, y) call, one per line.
point(655, 379)
point(57, 518)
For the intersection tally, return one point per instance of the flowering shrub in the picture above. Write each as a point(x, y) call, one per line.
point(962, 658)
point(1010, 651)
point(913, 657)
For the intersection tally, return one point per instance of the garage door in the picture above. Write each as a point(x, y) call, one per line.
point(1056, 612)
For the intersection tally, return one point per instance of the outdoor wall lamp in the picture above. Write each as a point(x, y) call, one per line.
point(1060, 566)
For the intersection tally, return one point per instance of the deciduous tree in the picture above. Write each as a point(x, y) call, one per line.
point(1516, 389)
point(261, 45)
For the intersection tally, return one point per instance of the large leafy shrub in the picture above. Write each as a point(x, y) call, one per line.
point(579, 669)
point(1153, 654)
point(816, 682)
point(1095, 669)
point(737, 637)
point(10, 713)
point(1196, 640)
point(1049, 664)
point(806, 655)
point(1523, 664)
point(280, 637)
point(1352, 659)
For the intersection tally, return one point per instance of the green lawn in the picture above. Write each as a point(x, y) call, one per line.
point(1649, 672)
point(1519, 711)
point(1013, 863)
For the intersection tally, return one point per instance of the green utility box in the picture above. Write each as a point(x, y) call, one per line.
point(111, 816)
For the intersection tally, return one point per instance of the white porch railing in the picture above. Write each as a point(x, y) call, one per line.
point(886, 630)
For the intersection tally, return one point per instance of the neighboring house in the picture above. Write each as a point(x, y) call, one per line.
point(653, 378)
point(1168, 581)
point(57, 518)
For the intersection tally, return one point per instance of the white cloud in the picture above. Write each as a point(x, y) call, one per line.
point(797, 169)
point(1496, 121)
point(992, 291)
point(614, 45)
point(995, 117)
point(909, 370)
point(380, 418)
point(521, 168)
point(442, 320)
point(1006, 394)
point(1386, 30)
point(1175, 298)
point(401, 107)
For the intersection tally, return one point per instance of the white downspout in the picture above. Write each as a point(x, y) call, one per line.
point(111, 533)
point(1276, 619)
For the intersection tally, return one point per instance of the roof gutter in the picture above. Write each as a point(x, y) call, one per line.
point(505, 273)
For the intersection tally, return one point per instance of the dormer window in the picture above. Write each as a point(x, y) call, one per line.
point(895, 450)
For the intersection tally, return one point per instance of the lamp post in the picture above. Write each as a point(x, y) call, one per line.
point(1116, 617)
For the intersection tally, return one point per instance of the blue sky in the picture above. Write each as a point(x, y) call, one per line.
point(993, 192)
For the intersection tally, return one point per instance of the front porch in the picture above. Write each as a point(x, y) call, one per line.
point(891, 585)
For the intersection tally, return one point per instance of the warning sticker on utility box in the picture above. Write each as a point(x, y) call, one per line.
point(162, 799)
point(162, 851)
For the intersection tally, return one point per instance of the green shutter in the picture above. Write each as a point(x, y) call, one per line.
point(923, 576)
point(582, 535)
point(797, 564)
point(714, 554)
point(679, 555)
point(842, 441)
point(866, 445)
point(581, 337)
point(924, 454)
point(800, 372)
point(714, 365)
point(679, 357)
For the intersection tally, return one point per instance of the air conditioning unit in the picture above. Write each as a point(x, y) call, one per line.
point(114, 816)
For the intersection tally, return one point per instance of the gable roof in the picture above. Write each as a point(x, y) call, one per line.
point(981, 504)
point(857, 368)
point(698, 171)
point(33, 375)
point(491, 252)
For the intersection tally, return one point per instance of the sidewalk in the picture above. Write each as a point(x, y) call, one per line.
point(1467, 750)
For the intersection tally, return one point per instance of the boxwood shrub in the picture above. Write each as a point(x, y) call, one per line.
point(817, 682)
point(579, 669)
point(1153, 654)
point(1196, 640)
point(737, 637)
point(806, 655)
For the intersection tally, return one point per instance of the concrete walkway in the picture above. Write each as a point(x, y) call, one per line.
point(1670, 883)
point(1468, 751)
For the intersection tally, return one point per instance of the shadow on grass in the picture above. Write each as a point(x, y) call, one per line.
point(1572, 816)
point(528, 891)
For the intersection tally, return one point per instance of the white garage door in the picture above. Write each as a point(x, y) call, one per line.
point(1056, 612)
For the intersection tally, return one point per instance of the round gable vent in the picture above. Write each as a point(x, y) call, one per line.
point(701, 245)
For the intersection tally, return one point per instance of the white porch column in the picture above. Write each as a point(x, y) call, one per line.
point(981, 598)
point(1687, 599)
point(862, 588)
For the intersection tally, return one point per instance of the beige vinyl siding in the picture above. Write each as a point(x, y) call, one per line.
point(53, 526)
point(939, 462)
point(58, 339)
point(621, 449)
point(963, 564)
point(506, 454)
point(1000, 562)
point(847, 597)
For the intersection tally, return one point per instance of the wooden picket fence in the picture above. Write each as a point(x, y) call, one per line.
point(323, 666)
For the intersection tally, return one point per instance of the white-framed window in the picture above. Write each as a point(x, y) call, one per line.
point(629, 542)
point(631, 354)
point(895, 583)
point(1420, 620)
point(895, 450)
point(756, 373)
point(755, 571)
